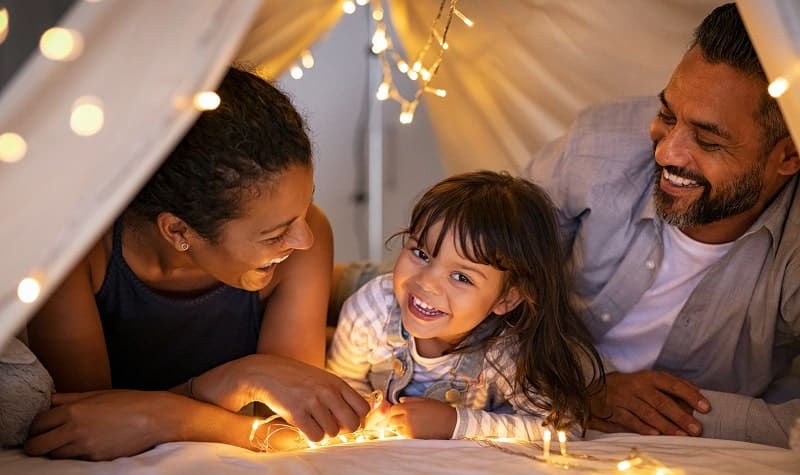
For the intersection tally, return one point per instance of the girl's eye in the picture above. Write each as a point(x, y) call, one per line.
point(462, 278)
point(420, 254)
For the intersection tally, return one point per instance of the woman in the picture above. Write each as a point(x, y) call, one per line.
point(213, 285)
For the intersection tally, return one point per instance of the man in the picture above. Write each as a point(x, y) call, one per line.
point(686, 246)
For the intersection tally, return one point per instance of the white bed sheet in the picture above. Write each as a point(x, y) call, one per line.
point(681, 455)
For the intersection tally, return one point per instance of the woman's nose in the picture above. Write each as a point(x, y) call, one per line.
point(299, 236)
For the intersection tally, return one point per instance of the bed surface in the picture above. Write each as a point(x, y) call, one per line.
point(681, 455)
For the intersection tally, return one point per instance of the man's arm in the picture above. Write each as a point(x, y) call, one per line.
point(738, 417)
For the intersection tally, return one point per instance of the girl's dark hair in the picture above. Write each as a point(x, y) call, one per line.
point(510, 224)
point(254, 135)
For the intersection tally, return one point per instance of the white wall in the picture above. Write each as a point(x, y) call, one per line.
point(333, 96)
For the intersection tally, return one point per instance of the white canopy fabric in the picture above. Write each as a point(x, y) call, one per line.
point(514, 81)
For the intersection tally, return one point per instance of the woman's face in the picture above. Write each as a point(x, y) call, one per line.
point(272, 225)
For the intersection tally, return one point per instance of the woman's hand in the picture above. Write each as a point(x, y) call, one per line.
point(101, 425)
point(423, 418)
point(314, 400)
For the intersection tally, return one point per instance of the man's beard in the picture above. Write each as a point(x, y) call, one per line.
point(732, 198)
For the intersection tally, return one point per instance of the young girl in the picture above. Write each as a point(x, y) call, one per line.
point(473, 333)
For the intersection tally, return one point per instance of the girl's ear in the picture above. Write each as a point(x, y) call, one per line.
point(508, 302)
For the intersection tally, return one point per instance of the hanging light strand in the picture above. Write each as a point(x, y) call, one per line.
point(421, 70)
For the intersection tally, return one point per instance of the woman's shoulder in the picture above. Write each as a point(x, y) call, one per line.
point(97, 258)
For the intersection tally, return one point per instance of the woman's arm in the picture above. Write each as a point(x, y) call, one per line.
point(66, 333)
point(103, 425)
point(294, 318)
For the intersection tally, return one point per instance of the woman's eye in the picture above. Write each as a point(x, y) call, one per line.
point(274, 240)
point(462, 278)
point(420, 254)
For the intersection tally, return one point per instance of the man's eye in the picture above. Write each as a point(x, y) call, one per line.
point(708, 146)
point(666, 117)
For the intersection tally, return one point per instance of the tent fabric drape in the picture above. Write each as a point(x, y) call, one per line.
point(282, 30)
point(519, 76)
point(67, 189)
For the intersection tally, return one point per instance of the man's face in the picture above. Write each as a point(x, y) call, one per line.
point(709, 159)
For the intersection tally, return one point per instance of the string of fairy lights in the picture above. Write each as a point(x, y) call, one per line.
point(86, 116)
point(419, 69)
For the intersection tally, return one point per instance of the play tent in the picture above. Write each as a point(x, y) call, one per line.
point(513, 82)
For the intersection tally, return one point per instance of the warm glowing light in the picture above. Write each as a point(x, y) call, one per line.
point(627, 464)
point(87, 116)
point(413, 75)
point(61, 44)
point(562, 442)
point(463, 18)
point(426, 75)
point(377, 14)
point(379, 41)
point(28, 290)
point(407, 113)
point(417, 66)
point(296, 71)
point(206, 101)
point(402, 66)
point(12, 147)
point(383, 91)
point(437, 92)
point(3, 24)
point(307, 59)
point(362, 2)
point(546, 437)
point(349, 7)
point(778, 87)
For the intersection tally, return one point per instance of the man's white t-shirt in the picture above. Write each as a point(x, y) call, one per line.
point(636, 341)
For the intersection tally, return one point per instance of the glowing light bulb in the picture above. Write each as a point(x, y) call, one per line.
point(61, 44)
point(417, 66)
point(440, 92)
point(377, 14)
point(362, 2)
point(379, 41)
point(206, 101)
point(296, 71)
point(87, 117)
point(407, 113)
point(28, 290)
point(349, 7)
point(778, 87)
point(413, 75)
point(426, 75)
point(383, 91)
point(463, 18)
point(12, 147)
point(307, 59)
point(3, 24)
point(402, 66)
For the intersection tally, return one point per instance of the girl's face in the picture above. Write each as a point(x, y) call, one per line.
point(271, 227)
point(443, 298)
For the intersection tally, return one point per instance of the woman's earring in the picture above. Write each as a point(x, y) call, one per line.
point(184, 246)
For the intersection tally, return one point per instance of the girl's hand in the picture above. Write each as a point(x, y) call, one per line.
point(314, 400)
point(103, 425)
point(423, 418)
point(378, 417)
